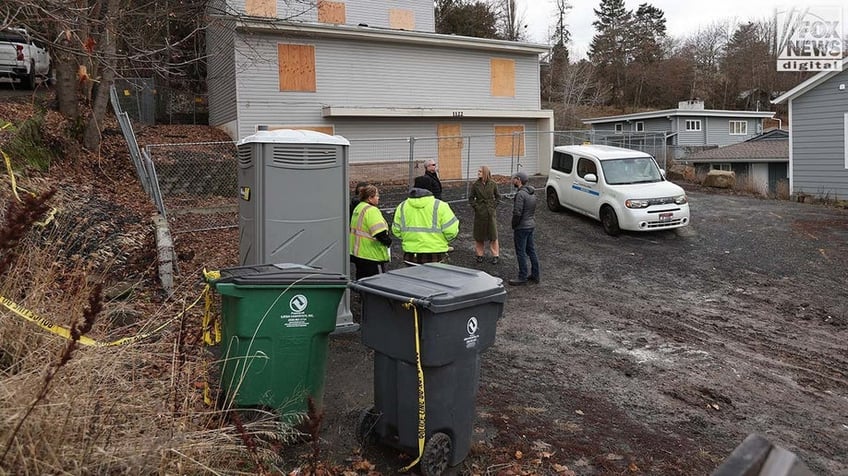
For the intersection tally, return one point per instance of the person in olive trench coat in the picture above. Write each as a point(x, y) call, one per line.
point(484, 198)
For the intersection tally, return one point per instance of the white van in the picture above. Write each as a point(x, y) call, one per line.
point(624, 189)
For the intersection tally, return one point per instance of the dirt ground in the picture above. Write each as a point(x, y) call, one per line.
point(648, 353)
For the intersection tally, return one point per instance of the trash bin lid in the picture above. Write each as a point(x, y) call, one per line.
point(280, 273)
point(439, 287)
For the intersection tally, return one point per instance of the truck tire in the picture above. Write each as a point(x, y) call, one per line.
point(28, 81)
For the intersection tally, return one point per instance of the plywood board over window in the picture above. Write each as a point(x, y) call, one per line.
point(297, 67)
point(331, 12)
point(509, 141)
point(329, 130)
point(450, 150)
point(261, 8)
point(503, 77)
point(401, 19)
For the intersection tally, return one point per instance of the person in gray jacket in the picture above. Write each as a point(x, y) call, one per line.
point(523, 226)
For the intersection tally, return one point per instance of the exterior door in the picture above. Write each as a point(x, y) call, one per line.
point(586, 195)
point(450, 151)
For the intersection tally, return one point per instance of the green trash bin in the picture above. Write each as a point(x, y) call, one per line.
point(275, 323)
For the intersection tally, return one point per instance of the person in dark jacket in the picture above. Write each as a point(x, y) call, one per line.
point(523, 226)
point(432, 182)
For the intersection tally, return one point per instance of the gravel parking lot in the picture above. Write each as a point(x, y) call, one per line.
point(652, 353)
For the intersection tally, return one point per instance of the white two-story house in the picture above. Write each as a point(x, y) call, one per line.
point(375, 69)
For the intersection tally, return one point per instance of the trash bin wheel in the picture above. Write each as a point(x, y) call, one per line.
point(437, 451)
point(365, 434)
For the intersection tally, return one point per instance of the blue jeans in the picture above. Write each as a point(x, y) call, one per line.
point(525, 247)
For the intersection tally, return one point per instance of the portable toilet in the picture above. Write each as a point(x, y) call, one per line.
point(293, 203)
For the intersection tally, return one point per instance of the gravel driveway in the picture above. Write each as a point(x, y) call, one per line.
point(653, 353)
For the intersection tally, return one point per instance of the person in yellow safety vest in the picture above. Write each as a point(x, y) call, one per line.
point(369, 239)
point(425, 226)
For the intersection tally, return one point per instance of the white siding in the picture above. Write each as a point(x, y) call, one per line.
point(373, 13)
point(221, 74)
point(368, 74)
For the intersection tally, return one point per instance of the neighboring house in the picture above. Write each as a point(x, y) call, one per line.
point(688, 128)
point(376, 69)
point(761, 162)
point(818, 134)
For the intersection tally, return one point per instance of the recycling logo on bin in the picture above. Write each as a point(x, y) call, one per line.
point(298, 305)
point(471, 327)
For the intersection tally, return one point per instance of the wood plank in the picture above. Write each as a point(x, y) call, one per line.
point(261, 8)
point(401, 19)
point(332, 12)
point(297, 67)
point(450, 150)
point(503, 77)
point(507, 142)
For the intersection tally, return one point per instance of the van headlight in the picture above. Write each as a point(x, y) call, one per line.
point(680, 199)
point(632, 203)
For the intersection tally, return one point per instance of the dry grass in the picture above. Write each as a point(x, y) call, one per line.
point(134, 409)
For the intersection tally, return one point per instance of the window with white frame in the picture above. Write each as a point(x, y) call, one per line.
point(619, 128)
point(640, 126)
point(738, 128)
point(725, 167)
point(693, 124)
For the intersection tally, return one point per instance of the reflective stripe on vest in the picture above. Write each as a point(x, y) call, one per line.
point(359, 234)
point(434, 228)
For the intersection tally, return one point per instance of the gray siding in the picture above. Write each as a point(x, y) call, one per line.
point(818, 139)
point(221, 74)
point(718, 130)
point(373, 13)
point(368, 74)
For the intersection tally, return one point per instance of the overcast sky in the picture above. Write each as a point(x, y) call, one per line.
point(683, 17)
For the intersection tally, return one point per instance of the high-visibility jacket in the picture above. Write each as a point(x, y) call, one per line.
point(425, 224)
point(365, 223)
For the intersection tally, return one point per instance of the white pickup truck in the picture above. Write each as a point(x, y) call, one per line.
point(22, 58)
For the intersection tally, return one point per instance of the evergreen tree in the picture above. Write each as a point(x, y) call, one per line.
point(466, 18)
point(610, 50)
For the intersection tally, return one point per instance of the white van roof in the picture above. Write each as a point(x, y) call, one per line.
point(601, 152)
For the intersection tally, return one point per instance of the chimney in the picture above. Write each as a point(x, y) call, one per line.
point(692, 105)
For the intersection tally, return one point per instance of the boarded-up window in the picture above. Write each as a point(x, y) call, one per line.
point(297, 67)
point(400, 19)
point(261, 8)
point(503, 77)
point(329, 130)
point(509, 141)
point(331, 12)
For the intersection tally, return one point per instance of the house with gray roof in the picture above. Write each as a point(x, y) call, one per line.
point(760, 162)
point(688, 128)
point(818, 135)
point(371, 69)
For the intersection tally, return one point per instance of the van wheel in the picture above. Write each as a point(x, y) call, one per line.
point(609, 221)
point(553, 200)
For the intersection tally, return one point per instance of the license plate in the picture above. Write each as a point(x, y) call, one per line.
point(666, 216)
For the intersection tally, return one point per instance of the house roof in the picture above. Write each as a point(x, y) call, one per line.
point(773, 134)
point(751, 151)
point(387, 35)
point(668, 113)
point(809, 84)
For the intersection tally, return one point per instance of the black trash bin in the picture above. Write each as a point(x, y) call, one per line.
point(458, 310)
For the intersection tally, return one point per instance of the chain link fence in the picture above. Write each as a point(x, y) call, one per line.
point(197, 184)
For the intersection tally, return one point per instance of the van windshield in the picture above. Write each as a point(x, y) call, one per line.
point(629, 171)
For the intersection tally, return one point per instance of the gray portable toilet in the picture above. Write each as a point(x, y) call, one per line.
point(293, 205)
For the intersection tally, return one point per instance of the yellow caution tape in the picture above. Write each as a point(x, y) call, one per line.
point(211, 327)
point(50, 215)
point(65, 332)
point(422, 407)
point(11, 174)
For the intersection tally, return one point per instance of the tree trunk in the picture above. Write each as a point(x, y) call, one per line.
point(94, 126)
point(65, 65)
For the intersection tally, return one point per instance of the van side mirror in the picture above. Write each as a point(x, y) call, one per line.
point(590, 178)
